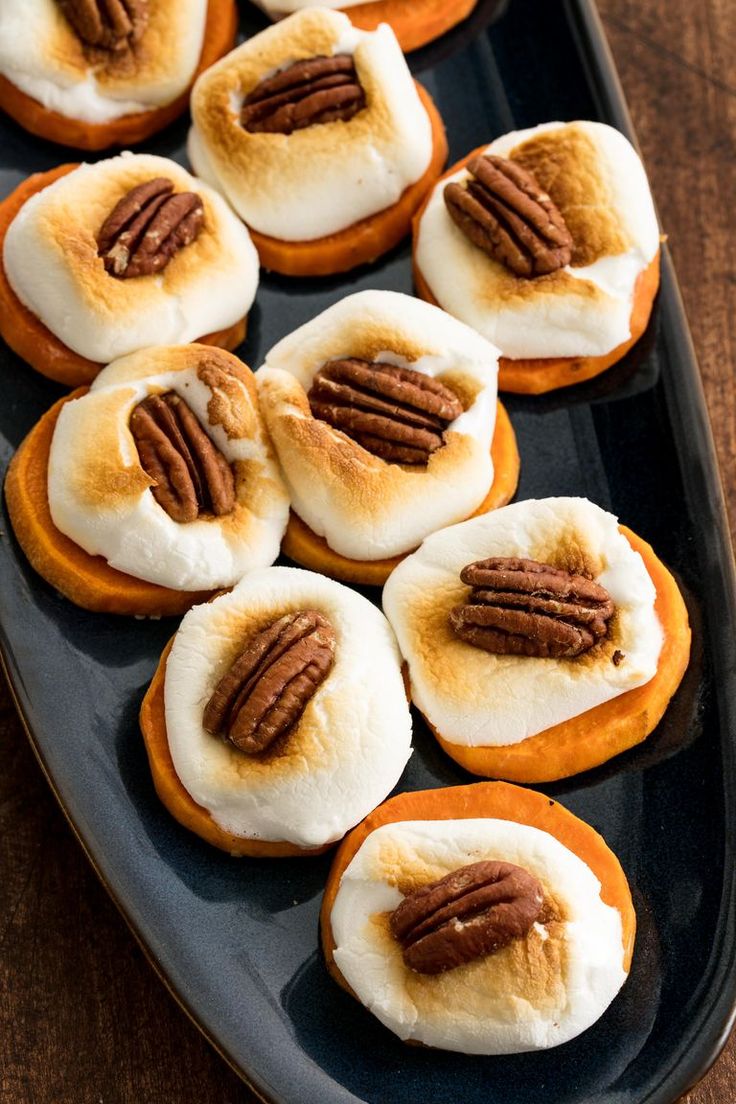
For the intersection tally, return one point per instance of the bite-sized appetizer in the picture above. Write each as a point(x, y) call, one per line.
point(484, 919)
point(101, 260)
point(542, 639)
point(384, 415)
point(414, 22)
point(153, 488)
point(316, 134)
point(278, 716)
point(99, 73)
point(546, 242)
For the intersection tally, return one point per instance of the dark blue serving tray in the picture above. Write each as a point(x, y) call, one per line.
point(236, 940)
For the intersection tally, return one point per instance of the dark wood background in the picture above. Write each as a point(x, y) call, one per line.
point(83, 1018)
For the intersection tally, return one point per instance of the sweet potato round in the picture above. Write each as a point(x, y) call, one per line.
point(128, 130)
point(594, 737)
point(501, 801)
point(26, 334)
point(536, 376)
point(303, 545)
point(414, 22)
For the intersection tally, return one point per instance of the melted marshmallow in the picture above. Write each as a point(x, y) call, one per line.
point(52, 264)
point(41, 55)
point(100, 496)
point(323, 178)
point(349, 747)
point(364, 507)
point(477, 699)
point(535, 993)
point(580, 311)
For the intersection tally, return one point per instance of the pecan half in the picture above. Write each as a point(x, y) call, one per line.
point(521, 607)
point(505, 212)
point(191, 475)
point(147, 227)
point(395, 413)
point(468, 914)
point(267, 689)
point(318, 90)
point(113, 25)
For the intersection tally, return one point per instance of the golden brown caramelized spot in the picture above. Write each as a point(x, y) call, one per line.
point(147, 227)
point(397, 414)
point(506, 213)
point(566, 163)
point(305, 93)
point(268, 687)
point(191, 476)
point(521, 607)
point(470, 913)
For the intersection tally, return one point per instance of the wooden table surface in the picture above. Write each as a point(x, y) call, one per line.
point(83, 1019)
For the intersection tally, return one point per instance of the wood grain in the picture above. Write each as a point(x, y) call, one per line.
point(83, 1019)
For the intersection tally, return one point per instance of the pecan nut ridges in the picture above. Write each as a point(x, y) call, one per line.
point(521, 607)
point(318, 90)
point(147, 227)
point(114, 25)
point(191, 476)
point(268, 687)
point(395, 413)
point(504, 211)
point(470, 913)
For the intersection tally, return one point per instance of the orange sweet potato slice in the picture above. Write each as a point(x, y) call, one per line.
point(594, 737)
point(128, 130)
point(26, 334)
point(366, 240)
point(86, 580)
point(178, 801)
point(414, 22)
point(302, 544)
point(501, 801)
point(536, 376)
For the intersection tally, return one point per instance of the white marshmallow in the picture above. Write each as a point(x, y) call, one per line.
point(51, 262)
point(100, 496)
point(365, 508)
point(347, 751)
point(477, 699)
point(40, 54)
point(555, 324)
point(489, 1006)
point(320, 179)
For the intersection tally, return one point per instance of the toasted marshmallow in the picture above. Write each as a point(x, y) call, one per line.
point(596, 179)
point(100, 495)
point(52, 264)
point(536, 992)
point(41, 55)
point(345, 753)
point(477, 699)
point(364, 507)
point(323, 178)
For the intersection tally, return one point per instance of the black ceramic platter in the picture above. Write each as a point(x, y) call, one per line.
point(236, 940)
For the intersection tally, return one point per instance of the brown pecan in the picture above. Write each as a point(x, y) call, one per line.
point(267, 689)
point(147, 227)
point(521, 607)
point(191, 475)
point(505, 212)
point(114, 25)
point(318, 90)
point(395, 413)
point(470, 913)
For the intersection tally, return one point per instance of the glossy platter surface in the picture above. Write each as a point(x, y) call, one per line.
point(237, 940)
